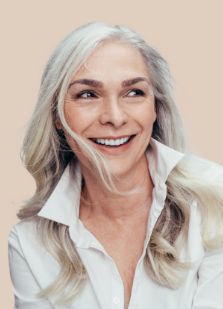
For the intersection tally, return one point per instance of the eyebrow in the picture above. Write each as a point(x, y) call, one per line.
point(98, 84)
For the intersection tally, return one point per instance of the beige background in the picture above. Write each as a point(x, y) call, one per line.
point(187, 33)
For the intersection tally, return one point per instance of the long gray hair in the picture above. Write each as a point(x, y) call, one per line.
point(46, 154)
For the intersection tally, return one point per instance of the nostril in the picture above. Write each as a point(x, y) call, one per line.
point(114, 118)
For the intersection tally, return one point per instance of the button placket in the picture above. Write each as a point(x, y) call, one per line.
point(116, 300)
point(117, 293)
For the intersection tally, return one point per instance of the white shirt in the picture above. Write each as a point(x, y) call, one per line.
point(33, 268)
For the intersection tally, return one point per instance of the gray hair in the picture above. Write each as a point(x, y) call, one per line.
point(48, 149)
point(46, 153)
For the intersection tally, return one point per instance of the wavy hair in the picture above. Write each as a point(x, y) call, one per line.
point(46, 153)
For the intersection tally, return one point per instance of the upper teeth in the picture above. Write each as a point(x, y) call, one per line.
point(112, 142)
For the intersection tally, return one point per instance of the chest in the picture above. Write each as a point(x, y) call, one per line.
point(132, 287)
point(125, 248)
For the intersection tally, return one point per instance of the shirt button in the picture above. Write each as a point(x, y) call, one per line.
point(116, 300)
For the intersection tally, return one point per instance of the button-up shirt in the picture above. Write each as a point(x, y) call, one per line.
point(32, 268)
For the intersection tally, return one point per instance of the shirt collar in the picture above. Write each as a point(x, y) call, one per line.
point(161, 160)
point(63, 204)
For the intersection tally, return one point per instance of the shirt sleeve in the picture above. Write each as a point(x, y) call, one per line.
point(209, 294)
point(25, 286)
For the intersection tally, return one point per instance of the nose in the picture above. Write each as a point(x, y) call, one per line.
point(113, 113)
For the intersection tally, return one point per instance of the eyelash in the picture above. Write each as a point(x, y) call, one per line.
point(138, 92)
point(79, 95)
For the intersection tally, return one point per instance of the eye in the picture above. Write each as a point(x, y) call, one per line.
point(135, 92)
point(86, 94)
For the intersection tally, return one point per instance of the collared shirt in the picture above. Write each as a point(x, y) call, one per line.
point(32, 268)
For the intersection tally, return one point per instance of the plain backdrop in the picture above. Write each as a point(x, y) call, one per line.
point(187, 33)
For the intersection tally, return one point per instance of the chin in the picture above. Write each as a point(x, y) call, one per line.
point(121, 168)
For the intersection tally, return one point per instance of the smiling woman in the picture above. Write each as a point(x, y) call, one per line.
point(123, 216)
point(117, 112)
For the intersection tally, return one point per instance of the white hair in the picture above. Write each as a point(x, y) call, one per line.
point(46, 153)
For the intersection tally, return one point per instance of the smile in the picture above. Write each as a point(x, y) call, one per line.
point(113, 142)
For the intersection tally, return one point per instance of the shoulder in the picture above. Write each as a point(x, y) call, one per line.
point(32, 268)
point(23, 230)
point(199, 185)
point(200, 167)
point(27, 251)
point(204, 182)
point(24, 238)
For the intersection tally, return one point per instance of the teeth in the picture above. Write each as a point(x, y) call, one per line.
point(112, 142)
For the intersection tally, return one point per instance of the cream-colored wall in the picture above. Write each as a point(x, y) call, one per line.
point(187, 33)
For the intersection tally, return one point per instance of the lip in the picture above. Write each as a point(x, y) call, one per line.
point(112, 137)
point(114, 151)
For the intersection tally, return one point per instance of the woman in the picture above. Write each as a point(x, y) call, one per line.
point(122, 216)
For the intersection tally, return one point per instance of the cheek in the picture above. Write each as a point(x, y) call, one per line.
point(147, 117)
point(76, 119)
point(79, 120)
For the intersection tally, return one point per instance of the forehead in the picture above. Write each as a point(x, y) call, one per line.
point(114, 58)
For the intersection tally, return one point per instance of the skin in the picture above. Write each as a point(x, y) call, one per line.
point(114, 108)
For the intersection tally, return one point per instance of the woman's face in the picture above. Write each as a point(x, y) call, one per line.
point(110, 104)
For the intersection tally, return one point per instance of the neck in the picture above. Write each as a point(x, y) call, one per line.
point(98, 202)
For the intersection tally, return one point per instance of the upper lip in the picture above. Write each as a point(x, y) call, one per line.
point(113, 137)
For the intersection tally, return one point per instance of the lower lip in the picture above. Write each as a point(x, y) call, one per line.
point(115, 150)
